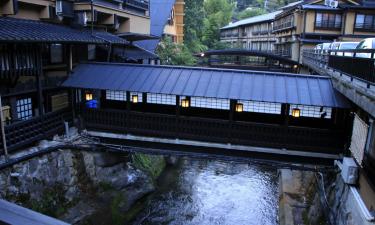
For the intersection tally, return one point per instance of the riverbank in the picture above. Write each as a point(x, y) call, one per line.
point(82, 187)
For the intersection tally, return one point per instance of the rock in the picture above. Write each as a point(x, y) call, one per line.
point(172, 160)
point(106, 160)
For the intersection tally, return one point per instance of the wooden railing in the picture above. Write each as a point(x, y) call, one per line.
point(23, 133)
point(356, 63)
point(215, 130)
point(21, 61)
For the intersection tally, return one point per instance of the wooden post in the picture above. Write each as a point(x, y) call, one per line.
point(39, 84)
point(177, 115)
point(3, 130)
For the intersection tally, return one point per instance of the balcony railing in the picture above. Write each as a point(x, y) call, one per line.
point(356, 63)
point(18, 62)
point(283, 26)
point(214, 130)
point(137, 3)
point(24, 133)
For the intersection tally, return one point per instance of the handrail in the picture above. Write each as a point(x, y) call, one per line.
point(356, 63)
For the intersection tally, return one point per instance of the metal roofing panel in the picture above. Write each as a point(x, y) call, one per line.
point(171, 81)
point(181, 82)
point(269, 88)
point(246, 88)
point(208, 82)
point(280, 89)
point(192, 83)
point(291, 90)
point(225, 85)
point(257, 88)
point(213, 85)
point(203, 83)
point(235, 91)
point(160, 81)
point(303, 91)
point(142, 77)
point(151, 79)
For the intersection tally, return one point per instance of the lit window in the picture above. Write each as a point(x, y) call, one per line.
point(312, 111)
point(161, 99)
point(136, 97)
point(24, 108)
point(211, 103)
point(115, 95)
point(261, 107)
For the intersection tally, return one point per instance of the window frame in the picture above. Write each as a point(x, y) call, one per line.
point(364, 28)
point(328, 21)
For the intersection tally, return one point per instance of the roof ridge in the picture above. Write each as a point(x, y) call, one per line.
point(211, 69)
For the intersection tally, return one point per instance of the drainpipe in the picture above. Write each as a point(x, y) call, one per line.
point(92, 17)
point(3, 131)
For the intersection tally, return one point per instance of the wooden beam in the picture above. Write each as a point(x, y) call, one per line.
point(3, 130)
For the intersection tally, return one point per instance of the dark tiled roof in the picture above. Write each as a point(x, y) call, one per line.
point(208, 82)
point(21, 30)
point(133, 52)
point(130, 36)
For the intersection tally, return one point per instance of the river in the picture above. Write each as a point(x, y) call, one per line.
point(200, 192)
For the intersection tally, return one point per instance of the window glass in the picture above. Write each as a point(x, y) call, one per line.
point(313, 111)
point(56, 53)
point(115, 95)
point(212, 103)
point(91, 52)
point(24, 108)
point(359, 20)
point(261, 107)
point(163, 99)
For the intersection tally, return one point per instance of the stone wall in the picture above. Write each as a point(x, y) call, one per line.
point(79, 186)
point(311, 198)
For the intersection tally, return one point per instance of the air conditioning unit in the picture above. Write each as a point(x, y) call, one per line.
point(349, 171)
point(333, 3)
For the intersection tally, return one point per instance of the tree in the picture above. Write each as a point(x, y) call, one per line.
point(171, 53)
point(218, 13)
point(247, 13)
point(193, 28)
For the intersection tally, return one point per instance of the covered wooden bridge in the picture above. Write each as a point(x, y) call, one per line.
point(246, 59)
point(244, 108)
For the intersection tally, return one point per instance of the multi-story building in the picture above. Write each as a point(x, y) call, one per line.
point(303, 24)
point(253, 33)
point(111, 15)
point(167, 20)
point(175, 25)
point(42, 40)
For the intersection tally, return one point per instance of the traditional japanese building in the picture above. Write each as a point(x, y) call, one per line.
point(302, 25)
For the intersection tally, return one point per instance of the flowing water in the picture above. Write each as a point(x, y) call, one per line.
point(200, 192)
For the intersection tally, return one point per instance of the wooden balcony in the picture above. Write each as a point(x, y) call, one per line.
point(21, 61)
point(24, 133)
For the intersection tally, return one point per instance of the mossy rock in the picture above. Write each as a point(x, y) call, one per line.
point(152, 164)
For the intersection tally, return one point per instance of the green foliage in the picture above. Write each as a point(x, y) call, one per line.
point(171, 53)
point(118, 217)
point(52, 202)
point(152, 164)
point(218, 13)
point(250, 13)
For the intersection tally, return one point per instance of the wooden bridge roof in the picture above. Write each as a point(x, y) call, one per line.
point(208, 82)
